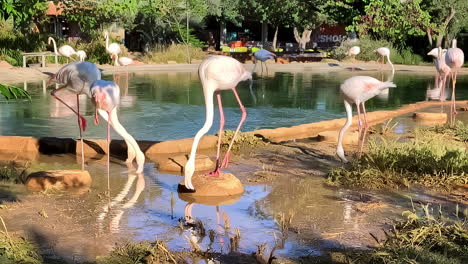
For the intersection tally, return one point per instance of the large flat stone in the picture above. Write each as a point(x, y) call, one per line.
point(176, 163)
point(210, 200)
point(181, 145)
point(18, 144)
point(59, 179)
point(224, 185)
point(430, 116)
point(349, 138)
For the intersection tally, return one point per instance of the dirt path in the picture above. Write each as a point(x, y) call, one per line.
point(18, 74)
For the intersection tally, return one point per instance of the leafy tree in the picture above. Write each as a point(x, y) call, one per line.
point(90, 14)
point(23, 12)
point(393, 20)
point(448, 18)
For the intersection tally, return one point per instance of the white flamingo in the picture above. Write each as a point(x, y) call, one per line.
point(121, 61)
point(113, 48)
point(353, 51)
point(442, 68)
point(357, 90)
point(217, 73)
point(65, 50)
point(454, 58)
point(81, 54)
point(385, 52)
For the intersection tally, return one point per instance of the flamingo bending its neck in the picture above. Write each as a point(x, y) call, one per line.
point(357, 90)
point(65, 50)
point(217, 73)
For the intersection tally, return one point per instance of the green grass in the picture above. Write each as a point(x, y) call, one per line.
point(459, 131)
point(17, 250)
point(429, 159)
point(243, 141)
point(175, 52)
point(421, 238)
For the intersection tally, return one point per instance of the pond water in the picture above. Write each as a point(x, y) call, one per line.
point(166, 106)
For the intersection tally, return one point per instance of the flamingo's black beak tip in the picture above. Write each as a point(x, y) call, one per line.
point(183, 189)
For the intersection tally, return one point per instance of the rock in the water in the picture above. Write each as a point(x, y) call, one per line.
point(210, 200)
point(177, 163)
point(430, 116)
point(463, 109)
point(224, 185)
point(59, 179)
point(349, 138)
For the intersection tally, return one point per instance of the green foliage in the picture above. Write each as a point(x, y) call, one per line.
point(141, 252)
point(175, 52)
point(421, 239)
point(368, 47)
point(23, 12)
point(12, 92)
point(428, 159)
point(393, 20)
point(225, 10)
point(243, 141)
point(17, 250)
point(459, 131)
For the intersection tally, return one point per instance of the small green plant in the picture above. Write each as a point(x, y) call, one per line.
point(174, 52)
point(141, 252)
point(459, 131)
point(243, 141)
point(15, 249)
point(12, 92)
point(428, 160)
point(10, 172)
point(421, 238)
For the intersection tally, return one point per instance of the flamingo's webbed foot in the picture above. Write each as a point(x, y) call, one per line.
point(215, 173)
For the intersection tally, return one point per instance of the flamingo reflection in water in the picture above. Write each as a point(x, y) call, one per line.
point(115, 203)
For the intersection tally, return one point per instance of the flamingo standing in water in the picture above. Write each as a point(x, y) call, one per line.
point(454, 58)
point(65, 50)
point(385, 52)
point(77, 77)
point(217, 73)
point(113, 49)
point(84, 78)
point(358, 90)
point(442, 68)
point(262, 56)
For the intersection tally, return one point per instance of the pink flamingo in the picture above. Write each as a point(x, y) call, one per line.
point(84, 78)
point(443, 70)
point(217, 73)
point(358, 90)
point(77, 77)
point(385, 52)
point(454, 58)
point(106, 97)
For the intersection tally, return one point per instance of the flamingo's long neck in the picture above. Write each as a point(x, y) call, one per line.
point(206, 127)
point(131, 142)
point(391, 64)
point(55, 46)
point(349, 119)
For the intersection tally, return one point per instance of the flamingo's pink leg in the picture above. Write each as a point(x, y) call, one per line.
point(358, 105)
point(108, 150)
point(244, 115)
point(81, 119)
point(215, 173)
point(81, 134)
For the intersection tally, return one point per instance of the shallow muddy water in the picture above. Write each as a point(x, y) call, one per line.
point(166, 106)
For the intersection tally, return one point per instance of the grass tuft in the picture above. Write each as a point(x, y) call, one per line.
point(421, 238)
point(175, 52)
point(427, 159)
point(459, 131)
point(16, 249)
point(243, 141)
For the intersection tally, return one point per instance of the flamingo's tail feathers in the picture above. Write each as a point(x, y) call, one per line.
point(386, 85)
point(247, 76)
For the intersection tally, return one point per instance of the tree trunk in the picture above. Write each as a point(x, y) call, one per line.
point(304, 39)
point(429, 35)
point(222, 33)
point(275, 39)
point(443, 32)
point(264, 34)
